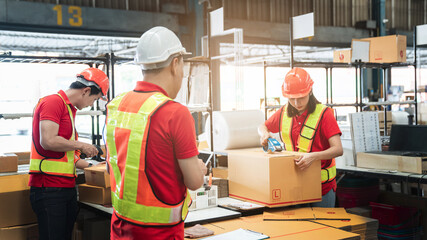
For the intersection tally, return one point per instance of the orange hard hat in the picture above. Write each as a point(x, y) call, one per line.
point(95, 77)
point(297, 83)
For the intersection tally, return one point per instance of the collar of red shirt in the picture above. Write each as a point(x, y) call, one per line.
point(65, 97)
point(142, 86)
point(302, 116)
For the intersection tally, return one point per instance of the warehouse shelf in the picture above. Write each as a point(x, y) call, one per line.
point(53, 60)
point(24, 115)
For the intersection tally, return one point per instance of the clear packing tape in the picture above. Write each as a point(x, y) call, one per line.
point(235, 129)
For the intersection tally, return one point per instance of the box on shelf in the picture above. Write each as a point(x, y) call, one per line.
point(222, 186)
point(387, 49)
point(220, 172)
point(8, 162)
point(202, 198)
point(342, 56)
point(23, 157)
point(272, 180)
point(391, 162)
point(97, 176)
point(22, 232)
point(94, 194)
point(15, 199)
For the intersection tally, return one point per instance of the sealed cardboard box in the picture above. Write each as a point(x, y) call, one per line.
point(342, 56)
point(97, 176)
point(272, 180)
point(15, 207)
point(8, 162)
point(23, 157)
point(24, 232)
point(220, 172)
point(94, 194)
point(387, 49)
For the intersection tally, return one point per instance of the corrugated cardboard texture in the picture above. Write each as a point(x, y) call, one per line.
point(25, 232)
point(282, 230)
point(97, 176)
point(94, 194)
point(15, 201)
point(342, 56)
point(272, 180)
point(387, 49)
point(8, 162)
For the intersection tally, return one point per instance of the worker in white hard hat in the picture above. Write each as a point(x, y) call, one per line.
point(151, 142)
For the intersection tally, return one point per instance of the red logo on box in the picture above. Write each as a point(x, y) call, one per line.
point(277, 195)
point(341, 56)
point(401, 53)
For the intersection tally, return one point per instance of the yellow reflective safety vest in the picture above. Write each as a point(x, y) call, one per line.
point(64, 167)
point(306, 137)
point(128, 123)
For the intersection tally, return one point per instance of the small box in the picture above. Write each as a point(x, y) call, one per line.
point(8, 162)
point(202, 198)
point(387, 49)
point(272, 180)
point(23, 157)
point(220, 172)
point(15, 207)
point(94, 194)
point(97, 176)
point(22, 232)
point(342, 56)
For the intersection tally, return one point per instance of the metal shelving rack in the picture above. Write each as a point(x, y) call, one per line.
point(92, 62)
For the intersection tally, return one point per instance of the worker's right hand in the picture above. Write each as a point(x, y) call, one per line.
point(264, 139)
point(203, 167)
point(89, 149)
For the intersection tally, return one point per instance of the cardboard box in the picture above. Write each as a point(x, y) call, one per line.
point(97, 176)
point(8, 162)
point(15, 207)
point(342, 56)
point(391, 162)
point(220, 172)
point(306, 213)
point(272, 180)
point(94, 194)
point(23, 157)
point(387, 49)
point(24, 232)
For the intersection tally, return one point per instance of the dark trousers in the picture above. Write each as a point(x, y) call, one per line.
point(56, 210)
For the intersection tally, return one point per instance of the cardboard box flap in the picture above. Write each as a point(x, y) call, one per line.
point(330, 213)
point(291, 214)
point(12, 183)
point(258, 152)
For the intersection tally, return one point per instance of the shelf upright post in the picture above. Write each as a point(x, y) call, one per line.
point(208, 18)
point(415, 75)
point(327, 90)
point(330, 85)
point(265, 89)
point(291, 42)
point(113, 61)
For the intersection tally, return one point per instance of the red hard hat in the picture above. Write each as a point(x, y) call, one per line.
point(95, 77)
point(297, 83)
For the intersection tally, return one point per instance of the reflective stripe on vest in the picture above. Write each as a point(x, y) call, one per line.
point(306, 137)
point(127, 124)
point(59, 167)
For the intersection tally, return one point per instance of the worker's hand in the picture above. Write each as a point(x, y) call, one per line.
point(264, 138)
point(88, 149)
point(203, 167)
point(304, 161)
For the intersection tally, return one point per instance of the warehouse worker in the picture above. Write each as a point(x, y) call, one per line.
point(307, 126)
point(55, 153)
point(151, 144)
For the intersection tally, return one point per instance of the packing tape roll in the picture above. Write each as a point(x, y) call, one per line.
point(235, 129)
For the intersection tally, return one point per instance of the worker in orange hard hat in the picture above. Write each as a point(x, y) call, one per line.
point(55, 153)
point(307, 126)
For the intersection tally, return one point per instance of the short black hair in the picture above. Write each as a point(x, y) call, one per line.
point(311, 106)
point(78, 85)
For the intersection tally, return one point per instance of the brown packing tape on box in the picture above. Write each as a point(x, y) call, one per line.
point(8, 162)
point(15, 201)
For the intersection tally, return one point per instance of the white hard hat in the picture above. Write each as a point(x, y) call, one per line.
point(157, 47)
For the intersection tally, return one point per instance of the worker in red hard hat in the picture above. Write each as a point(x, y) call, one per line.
point(55, 153)
point(307, 126)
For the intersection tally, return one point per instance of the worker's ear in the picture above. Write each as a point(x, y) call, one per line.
point(86, 91)
point(174, 66)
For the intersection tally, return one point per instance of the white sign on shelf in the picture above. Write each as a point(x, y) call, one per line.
point(303, 26)
point(359, 50)
point(422, 34)
point(217, 21)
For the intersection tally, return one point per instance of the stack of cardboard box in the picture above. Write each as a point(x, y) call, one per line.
point(8, 162)
point(17, 219)
point(97, 187)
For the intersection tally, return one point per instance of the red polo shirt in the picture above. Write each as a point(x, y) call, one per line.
point(52, 108)
point(327, 128)
point(172, 136)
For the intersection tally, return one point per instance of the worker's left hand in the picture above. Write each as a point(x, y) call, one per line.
point(304, 161)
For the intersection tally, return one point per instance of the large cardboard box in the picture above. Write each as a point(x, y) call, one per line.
point(391, 162)
point(387, 49)
point(97, 176)
point(15, 207)
point(272, 180)
point(94, 194)
point(342, 56)
point(24, 232)
point(8, 162)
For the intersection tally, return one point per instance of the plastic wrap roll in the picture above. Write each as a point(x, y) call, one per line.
point(235, 129)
